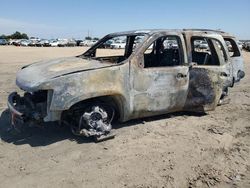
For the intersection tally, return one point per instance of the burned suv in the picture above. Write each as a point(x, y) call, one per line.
point(157, 72)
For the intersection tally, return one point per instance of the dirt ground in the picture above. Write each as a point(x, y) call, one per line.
point(174, 150)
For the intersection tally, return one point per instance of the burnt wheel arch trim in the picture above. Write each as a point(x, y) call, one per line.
point(116, 101)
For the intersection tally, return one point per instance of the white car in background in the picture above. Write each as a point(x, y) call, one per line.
point(92, 42)
point(84, 43)
point(118, 45)
point(62, 42)
point(24, 42)
point(203, 45)
point(88, 42)
point(54, 43)
point(41, 42)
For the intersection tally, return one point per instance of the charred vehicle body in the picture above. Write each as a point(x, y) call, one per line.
point(165, 72)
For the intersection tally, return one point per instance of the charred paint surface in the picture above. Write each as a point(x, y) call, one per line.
point(204, 89)
point(138, 91)
point(158, 90)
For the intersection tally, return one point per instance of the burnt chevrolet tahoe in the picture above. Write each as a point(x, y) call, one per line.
point(158, 72)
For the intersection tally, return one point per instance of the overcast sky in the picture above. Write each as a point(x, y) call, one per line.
point(77, 18)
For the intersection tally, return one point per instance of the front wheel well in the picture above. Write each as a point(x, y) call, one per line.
point(114, 101)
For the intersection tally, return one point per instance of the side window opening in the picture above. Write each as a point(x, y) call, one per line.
point(114, 49)
point(204, 51)
point(232, 47)
point(163, 52)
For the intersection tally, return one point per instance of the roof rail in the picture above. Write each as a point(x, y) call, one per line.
point(213, 30)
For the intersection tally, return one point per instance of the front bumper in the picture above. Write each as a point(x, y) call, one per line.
point(17, 117)
point(25, 109)
point(12, 100)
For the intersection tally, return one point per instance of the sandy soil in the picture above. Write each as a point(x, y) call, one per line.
point(175, 150)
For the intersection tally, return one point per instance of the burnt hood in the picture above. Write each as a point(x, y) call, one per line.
point(35, 74)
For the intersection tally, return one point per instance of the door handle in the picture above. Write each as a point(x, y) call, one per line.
point(224, 74)
point(180, 75)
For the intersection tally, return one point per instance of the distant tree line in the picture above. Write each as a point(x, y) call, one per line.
point(19, 35)
point(16, 35)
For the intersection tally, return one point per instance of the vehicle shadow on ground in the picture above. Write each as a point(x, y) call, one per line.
point(52, 132)
point(36, 136)
point(159, 117)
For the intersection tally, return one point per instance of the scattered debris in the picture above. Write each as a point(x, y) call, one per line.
point(206, 175)
point(215, 130)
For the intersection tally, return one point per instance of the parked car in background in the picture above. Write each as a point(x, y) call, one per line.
point(203, 45)
point(107, 44)
point(171, 44)
point(41, 43)
point(88, 42)
point(84, 43)
point(118, 45)
point(16, 42)
point(10, 42)
point(47, 43)
point(53, 43)
point(93, 42)
point(32, 43)
point(62, 42)
point(78, 42)
point(3, 42)
point(24, 42)
point(71, 43)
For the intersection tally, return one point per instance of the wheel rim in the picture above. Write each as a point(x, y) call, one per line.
point(95, 121)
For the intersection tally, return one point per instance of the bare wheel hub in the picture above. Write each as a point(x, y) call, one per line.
point(95, 122)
